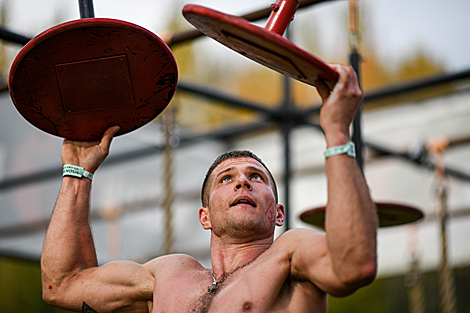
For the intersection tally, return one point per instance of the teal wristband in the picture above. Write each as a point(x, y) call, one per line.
point(348, 148)
point(76, 171)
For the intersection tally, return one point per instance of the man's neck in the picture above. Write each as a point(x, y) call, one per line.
point(226, 257)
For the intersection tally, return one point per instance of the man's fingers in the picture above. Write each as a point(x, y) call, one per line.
point(347, 83)
point(108, 137)
point(341, 84)
point(322, 89)
point(113, 130)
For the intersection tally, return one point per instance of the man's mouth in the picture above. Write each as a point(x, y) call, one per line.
point(244, 201)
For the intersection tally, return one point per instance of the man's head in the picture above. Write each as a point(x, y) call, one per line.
point(240, 202)
point(205, 190)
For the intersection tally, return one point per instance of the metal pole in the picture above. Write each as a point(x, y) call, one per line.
point(286, 131)
point(86, 8)
point(281, 15)
point(354, 59)
point(7, 35)
point(287, 125)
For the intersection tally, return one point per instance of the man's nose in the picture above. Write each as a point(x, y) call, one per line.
point(243, 182)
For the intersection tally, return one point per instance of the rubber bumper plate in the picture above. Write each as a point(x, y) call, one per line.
point(78, 78)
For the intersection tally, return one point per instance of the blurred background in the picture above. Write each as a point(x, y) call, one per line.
point(414, 70)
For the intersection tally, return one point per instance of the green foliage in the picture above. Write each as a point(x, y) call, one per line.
point(20, 288)
point(382, 296)
point(390, 295)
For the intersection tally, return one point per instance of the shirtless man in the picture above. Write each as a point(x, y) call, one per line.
point(250, 272)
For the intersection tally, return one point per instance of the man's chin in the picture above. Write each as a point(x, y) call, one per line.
point(246, 227)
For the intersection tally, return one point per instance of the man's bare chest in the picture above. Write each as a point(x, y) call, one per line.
point(185, 292)
point(253, 289)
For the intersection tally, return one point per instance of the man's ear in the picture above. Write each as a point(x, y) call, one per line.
point(280, 214)
point(204, 218)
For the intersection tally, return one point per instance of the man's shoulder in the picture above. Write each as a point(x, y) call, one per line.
point(295, 236)
point(173, 268)
point(286, 244)
point(174, 262)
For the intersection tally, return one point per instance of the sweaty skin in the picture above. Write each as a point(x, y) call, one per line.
point(294, 273)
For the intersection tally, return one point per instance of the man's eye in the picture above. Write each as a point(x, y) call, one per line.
point(256, 177)
point(226, 179)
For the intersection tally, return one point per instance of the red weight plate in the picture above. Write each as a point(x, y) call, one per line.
point(389, 214)
point(260, 45)
point(79, 78)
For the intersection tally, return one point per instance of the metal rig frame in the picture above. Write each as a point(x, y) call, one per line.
point(286, 116)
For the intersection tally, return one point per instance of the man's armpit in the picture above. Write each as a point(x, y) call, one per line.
point(87, 309)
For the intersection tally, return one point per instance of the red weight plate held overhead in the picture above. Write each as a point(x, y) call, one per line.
point(267, 47)
point(79, 78)
point(263, 45)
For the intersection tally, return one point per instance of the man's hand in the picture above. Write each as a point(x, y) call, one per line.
point(340, 106)
point(88, 154)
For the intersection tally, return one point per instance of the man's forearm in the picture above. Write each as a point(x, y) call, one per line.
point(68, 246)
point(351, 220)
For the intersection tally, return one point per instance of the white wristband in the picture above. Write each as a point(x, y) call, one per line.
point(348, 148)
point(76, 171)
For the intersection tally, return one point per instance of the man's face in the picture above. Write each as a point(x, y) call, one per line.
point(242, 200)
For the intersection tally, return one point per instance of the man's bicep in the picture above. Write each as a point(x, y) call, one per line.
point(114, 287)
point(311, 261)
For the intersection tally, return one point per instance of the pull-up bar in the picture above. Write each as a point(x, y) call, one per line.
point(86, 8)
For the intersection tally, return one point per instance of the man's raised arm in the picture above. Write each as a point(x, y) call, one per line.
point(70, 276)
point(344, 259)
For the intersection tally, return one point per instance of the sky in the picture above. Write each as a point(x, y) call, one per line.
point(437, 26)
point(398, 28)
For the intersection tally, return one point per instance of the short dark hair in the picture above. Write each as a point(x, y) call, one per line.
point(234, 154)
